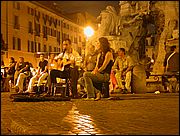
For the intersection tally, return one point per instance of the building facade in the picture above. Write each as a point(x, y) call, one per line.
point(28, 27)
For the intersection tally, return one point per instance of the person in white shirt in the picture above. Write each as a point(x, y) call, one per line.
point(67, 59)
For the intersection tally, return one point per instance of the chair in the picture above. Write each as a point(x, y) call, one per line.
point(64, 86)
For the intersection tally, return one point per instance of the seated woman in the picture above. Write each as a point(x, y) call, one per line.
point(23, 74)
point(102, 70)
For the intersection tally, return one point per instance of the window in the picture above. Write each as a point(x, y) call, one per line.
point(54, 49)
point(35, 46)
point(51, 33)
point(45, 48)
point(50, 49)
point(30, 28)
point(32, 46)
point(29, 46)
point(39, 47)
point(75, 39)
point(58, 36)
point(72, 38)
point(54, 33)
point(75, 29)
point(71, 28)
point(44, 32)
point(79, 38)
point(48, 30)
point(59, 23)
point(37, 29)
point(64, 25)
point(29, 10)
point(14, 43)
point(67, 26)
point(19, 43)
point(16, 5)
point(16, 22)
point(32, 11)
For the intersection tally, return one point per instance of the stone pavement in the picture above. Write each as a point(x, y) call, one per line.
point(137, 114)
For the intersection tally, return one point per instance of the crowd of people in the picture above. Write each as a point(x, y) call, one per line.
point(100, 65)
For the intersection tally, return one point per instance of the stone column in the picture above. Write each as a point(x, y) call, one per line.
point(170, 11)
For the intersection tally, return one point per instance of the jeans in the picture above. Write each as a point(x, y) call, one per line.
point(89, 78)
point(57, 73)
point(20, 80)
point(34, 79)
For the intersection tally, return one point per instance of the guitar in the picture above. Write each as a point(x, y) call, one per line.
point(62, 63)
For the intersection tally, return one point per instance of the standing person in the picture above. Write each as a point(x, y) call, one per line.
point(171, 67)
point(122, 67)
point(40, 76)
point(67, 59)
point(171, 60)
point(102, 70)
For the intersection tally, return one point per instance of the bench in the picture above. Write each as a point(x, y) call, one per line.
point(157, 79)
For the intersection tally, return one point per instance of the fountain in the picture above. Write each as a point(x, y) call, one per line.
point(128, 28)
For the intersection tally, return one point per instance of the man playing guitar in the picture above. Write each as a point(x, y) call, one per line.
point(64, 61)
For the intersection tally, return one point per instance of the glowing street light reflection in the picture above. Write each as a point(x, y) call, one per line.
point(88, 31)
point(81, 124)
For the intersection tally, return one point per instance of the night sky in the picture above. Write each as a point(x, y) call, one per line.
point(92, 7)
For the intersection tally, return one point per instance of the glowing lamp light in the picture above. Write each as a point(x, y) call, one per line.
point(152, 61)
point(88, 31)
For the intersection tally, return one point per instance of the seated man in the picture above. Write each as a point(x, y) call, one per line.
point(122, 68)
point(40, 76)
point(67, 59)
point(171, 67)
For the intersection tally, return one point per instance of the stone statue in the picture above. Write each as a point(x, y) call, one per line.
point(107, 20)
point(170, 10)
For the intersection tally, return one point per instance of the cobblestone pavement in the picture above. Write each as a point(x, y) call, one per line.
point(132, 114)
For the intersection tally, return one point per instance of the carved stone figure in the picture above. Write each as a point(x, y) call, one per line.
point(170, 10)
point(107, 20)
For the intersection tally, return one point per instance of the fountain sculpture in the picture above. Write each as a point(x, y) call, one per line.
point(132, 26)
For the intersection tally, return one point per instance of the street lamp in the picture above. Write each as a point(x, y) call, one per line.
point(88, 31)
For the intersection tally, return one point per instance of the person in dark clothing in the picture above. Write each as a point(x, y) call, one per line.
point(9, 74)
point(19, 68)
point(171, 67)
point(41, 75)
point(24, 72)
point(102, 70)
